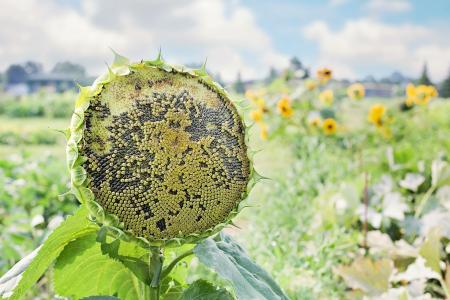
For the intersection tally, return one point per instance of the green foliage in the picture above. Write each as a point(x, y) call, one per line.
point(306, 226)
point(424, 79)
point(31, 204)
point(230, 261)
point(16, 282)
point(203, 290)
point(38, 105)
point(83, 270)
point(444, 91)
point(39, 137)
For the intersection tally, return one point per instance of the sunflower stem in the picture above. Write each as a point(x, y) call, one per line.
point(423, 202)
point(156, 264)
point(172, 265)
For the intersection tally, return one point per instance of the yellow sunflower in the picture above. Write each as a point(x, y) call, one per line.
point(329, 126)
point(356, 91)
point(324, 75)
point(263, 131)
point(376, 114)
point(315, 122)
point(284, 107)
point(421, 94)
point(256, 115)
point(311, 84)
point(326, 97)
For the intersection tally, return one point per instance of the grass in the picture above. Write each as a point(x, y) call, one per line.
point(32, 125)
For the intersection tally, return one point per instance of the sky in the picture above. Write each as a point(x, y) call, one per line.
point(355, 38)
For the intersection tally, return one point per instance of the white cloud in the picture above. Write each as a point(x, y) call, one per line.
point(223, 31)
point(383, 6)
point(337, 2)
point(365, 45)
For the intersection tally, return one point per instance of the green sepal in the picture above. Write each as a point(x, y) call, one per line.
point(71, 154)
point(78, 175)
point(65, 132)
point(95, 210)
point(76, 120)
point(158, 62)
point(83, 194)
point(120, 65)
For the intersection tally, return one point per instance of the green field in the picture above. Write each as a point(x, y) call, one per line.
point(304, 225)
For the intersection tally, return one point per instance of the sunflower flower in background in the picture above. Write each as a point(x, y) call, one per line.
point(326, 97)
point(284, 107)
point(356, 91)
point(263, 131)
point(314, 119)
point(311, 84)
point(420, 95)
point(424, 93)
point(376, 114)
point(410, 95)
point(324, 75)
point(329, 126)
point(256, 115)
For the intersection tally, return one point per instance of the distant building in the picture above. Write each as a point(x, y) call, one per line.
point(384, 90)
point(54, 82)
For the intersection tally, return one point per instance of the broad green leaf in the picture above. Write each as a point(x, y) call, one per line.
point(203, 290)
point(430, 249)
point(83, 270)
point(370, 276)
point(230, 261)
point(170, 289)
point(16, 282)
point(101, 298)
point(129, 254)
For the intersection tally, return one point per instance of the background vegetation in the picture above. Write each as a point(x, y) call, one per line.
point(357, 211)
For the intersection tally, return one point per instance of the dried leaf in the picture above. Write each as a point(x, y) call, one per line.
point(370, 276)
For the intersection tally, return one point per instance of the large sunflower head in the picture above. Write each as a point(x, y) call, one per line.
point(160, 149)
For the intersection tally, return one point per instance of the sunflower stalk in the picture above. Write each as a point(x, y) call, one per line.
point(156, 264)
point(166, 271)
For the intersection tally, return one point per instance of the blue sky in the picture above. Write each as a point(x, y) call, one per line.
point(354, 37)
point(284, 21)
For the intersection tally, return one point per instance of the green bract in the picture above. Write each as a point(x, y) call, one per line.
point(158, 152)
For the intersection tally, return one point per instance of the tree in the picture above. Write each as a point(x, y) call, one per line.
point(424, 79)
point(16, 74)
point(273, 74)
point(66, 67)
point(239, 86)
point(295, 64)
point(445, 87)
point(32, 67)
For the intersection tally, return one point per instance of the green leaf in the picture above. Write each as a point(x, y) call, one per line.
point(370, 276)
point(129, 254)
point(203, 290)
point(430, 249)
point(17, 281)
point(100, 298)
point(230, 261)
point(83, 270)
